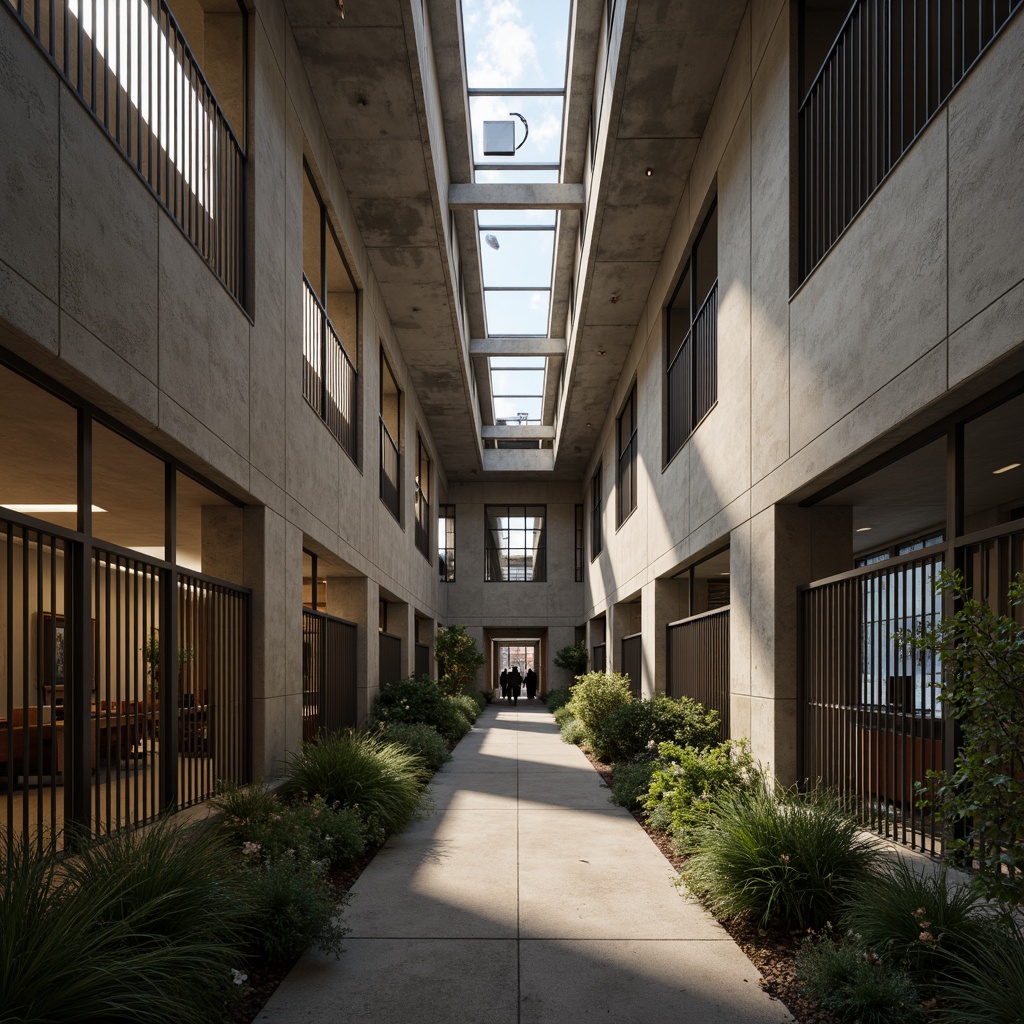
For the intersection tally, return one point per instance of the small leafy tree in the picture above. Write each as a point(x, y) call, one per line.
point(458, 657)
point(983, 689)
point(572, 658)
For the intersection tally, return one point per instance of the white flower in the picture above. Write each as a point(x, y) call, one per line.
point(239, 977)
point(250, 849)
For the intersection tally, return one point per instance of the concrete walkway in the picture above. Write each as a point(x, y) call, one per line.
point(526, 897)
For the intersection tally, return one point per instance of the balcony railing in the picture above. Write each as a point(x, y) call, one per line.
point(423, 524)
point(389, 463)
point(330, 382)
point(698, 661)
point(129, 64)
point(329, 679)
point(889, 71)
point(693, 374)
point(872, 722)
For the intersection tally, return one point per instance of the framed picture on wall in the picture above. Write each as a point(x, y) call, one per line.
point(56, 653)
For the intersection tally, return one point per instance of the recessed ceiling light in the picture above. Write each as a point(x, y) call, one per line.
point(29, 509)
point(649, 171)
point(723, 574)
point(863, 529)
point(1006, 469)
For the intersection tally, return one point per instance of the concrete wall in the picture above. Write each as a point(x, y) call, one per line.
point(100, 290)
point(916, 310)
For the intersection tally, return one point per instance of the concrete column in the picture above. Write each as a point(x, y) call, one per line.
point(356, 599)
point(787, 547)
point(402, 623)
point(272, 569)
point(222, 549)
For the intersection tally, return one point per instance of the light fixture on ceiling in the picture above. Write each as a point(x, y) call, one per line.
point(600, 351)
point(649, 171)
point(492, 241)
point(862, 529)
point(726, 573)
point(614, 299)
point(415, 309)
point(362, 101)
point(1006, 469)
point(341, 9)
point(35, 508)
point(589, 424)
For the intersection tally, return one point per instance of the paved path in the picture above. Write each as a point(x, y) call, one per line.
point(526, 897)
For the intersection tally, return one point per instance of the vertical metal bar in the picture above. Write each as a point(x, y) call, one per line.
point(167, 581)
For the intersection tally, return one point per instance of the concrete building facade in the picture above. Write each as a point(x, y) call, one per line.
point(783, 354)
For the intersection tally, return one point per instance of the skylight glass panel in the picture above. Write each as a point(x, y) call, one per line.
point(542, 113)
point(521, 259)
point(518, 362)
point(515, 44)
point(513, 410)
point(527, 218)
point(517, 382)
point(517, 313)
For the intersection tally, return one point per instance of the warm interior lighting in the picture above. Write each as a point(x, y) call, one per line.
point(649, 171)
point(30, 509)
point(1006, 469)
point(862, 529)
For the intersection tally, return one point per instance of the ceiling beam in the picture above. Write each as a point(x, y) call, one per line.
point(517, 346)
point(518, 460)
point(518, 433)
point(510, 196)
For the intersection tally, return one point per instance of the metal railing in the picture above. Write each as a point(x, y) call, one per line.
point(329, 675)
point(697, 651)
point(889, 71)
point(422, 524)
point(129, 64)
point(693, 375)
point(389, 463)
point(872, 724)
point(330, 383)
point(633, 662)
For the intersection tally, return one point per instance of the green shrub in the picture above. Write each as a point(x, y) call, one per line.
point(573, 658)
point(855, 983)
point(469, 707)
point(562, 715)
point(380, 780)
point(458, 657)
point(293, 906)
point(573, 732)
point(309, 827)
point(630, 782)
point(482, 699)
point(420, 701)
point(778, 856)
point(555, 699)
point(917, 918)
point(684, 781)
point(423, 740)
point(152, 936)
point(595, 696)
point(986, 985)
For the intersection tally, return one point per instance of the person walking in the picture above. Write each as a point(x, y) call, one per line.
point(503, 682)
point(531, 684)
point(515, 685)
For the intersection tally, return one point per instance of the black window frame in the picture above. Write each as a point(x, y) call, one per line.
point(423, 485)
point(627, 458)
point(691, 340)
point(446, 561)
point(538, 570)
point(578, 547)
point(596, 529)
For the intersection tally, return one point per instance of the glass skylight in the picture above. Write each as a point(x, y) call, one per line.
point(517, 388)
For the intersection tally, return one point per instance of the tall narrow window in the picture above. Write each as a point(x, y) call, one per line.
point(691, 365)
point(329, 322)
point(390, 435)
point(578, 559)
point(515, 544)
point(626, 480)
point(446, 543)
point(423, 470)
point(596, 534)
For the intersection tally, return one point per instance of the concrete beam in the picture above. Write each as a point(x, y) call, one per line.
point(518, 460)
point(517, 347)
point(507, 196)
point(525, 433)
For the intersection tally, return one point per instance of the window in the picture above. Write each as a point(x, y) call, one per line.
point(626, 480)
point(514, 544)
point(390, 434)
point(446, 543)
point(422, 501)
point(578, 559)
point(691, 352)
point(329, 322)
point(871, 80)
point(596, 536)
